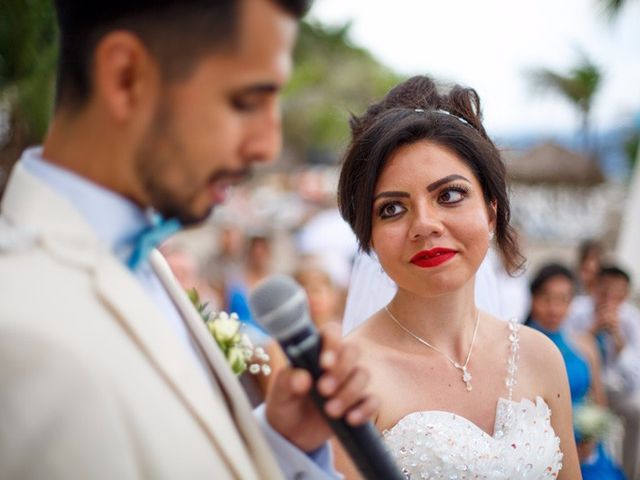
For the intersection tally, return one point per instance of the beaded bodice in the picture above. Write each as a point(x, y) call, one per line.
point(443, 445)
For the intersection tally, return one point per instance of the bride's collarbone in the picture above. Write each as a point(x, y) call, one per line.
point(405, 394)
point(425, 365)
point(412, 382)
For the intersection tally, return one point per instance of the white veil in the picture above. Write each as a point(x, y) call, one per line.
point(370, 289)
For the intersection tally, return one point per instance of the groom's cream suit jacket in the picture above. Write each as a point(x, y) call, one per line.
point(93, 382)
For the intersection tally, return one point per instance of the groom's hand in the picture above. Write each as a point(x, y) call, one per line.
point(292, 413)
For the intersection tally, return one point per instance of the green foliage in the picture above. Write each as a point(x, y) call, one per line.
point(202, 308)
point(331, 79)
point(28, 51)
point(631, 148)
point(613, 7)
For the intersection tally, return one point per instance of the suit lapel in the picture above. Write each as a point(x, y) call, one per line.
point(31, 207)
point(239, 403)
point(143, 321)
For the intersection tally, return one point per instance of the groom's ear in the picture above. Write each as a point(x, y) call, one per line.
point(126, 78)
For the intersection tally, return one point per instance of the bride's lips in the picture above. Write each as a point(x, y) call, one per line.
point(433, 257)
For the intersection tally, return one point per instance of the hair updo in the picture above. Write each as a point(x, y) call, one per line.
point(416, 111)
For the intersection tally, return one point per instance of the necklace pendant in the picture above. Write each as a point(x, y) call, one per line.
point(466, 378)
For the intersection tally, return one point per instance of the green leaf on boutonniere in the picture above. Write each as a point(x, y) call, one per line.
point(235, 345)
point(202, 308)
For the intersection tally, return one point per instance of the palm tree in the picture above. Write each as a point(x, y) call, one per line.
point(614, 7)
point(579, 86)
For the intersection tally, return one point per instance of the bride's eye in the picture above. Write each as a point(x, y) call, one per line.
point(389, 210)
point(453, 194)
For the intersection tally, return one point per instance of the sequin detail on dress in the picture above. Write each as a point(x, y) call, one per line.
point(443, 445)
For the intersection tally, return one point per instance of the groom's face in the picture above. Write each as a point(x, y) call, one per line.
point(210, 128)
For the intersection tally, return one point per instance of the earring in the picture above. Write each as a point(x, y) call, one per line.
point(491, 235)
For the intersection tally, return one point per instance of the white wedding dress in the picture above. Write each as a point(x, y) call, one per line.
point(443, 445)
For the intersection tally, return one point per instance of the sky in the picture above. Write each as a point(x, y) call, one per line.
point(490, 45)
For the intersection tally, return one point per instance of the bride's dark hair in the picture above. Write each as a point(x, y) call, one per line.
point(414, 111)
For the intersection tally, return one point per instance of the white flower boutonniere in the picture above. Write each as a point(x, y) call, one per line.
point(235, 345)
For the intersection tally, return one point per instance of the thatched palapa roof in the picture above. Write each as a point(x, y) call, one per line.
point(550, 163)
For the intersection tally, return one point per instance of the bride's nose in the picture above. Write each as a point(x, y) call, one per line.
point(424, 223)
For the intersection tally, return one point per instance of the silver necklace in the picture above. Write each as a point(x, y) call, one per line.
point(466, 376)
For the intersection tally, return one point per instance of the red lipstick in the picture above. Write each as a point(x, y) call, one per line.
point(432, 258)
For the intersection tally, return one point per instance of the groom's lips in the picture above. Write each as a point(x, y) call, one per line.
point(218, 191)
point(221, 183)
point(433, 257)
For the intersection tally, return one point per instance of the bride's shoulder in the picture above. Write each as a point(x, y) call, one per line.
point(535, 350)
point(539, 357)
point(371, 337)
point(538, 345)
point(368, 330)
point(540, 364)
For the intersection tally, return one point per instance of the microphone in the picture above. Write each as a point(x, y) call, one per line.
point(280, 305)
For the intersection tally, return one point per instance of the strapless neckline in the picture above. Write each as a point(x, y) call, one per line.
point(435, 444)
point(497, 431)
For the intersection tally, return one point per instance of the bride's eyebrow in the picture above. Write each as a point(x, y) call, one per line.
point(391, 195)
point(430, 188)
point(449, 178)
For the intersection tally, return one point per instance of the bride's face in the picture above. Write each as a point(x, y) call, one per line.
point(431, 224)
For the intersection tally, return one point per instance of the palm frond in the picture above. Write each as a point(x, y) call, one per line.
point(613, 7)
point(579, 85)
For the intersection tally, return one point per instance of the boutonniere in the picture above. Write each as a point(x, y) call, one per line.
point(235, 345)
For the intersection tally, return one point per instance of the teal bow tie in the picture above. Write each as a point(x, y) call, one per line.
point(151, 237)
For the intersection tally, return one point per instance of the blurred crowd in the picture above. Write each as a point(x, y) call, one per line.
point(586, 312)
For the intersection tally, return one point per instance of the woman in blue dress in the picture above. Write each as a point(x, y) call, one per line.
point(552, 291)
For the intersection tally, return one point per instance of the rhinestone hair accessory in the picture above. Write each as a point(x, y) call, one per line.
point(445, 112)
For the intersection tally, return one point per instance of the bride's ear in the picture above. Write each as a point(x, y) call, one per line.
point(492, 209)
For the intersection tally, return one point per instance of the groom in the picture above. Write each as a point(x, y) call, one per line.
point(106, 370)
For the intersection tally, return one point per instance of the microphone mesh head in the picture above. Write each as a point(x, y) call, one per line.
point(279, 304)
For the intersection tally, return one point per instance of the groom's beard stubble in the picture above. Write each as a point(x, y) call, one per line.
point(168, 177)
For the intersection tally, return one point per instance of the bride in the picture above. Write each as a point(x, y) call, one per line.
point(463, 393)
